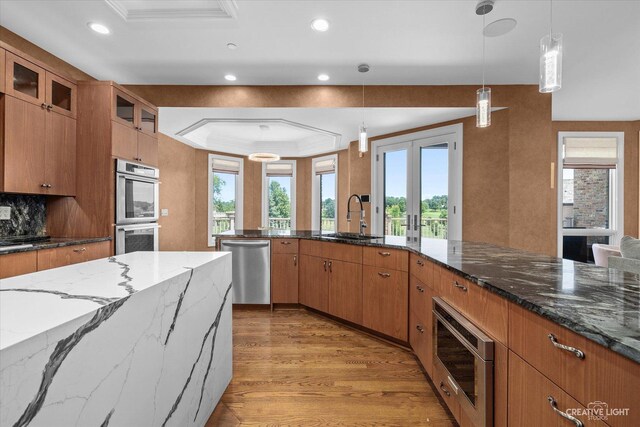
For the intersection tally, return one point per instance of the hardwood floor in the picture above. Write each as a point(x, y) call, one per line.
point(293, 367)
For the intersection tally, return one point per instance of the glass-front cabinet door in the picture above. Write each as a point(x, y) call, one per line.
point(61, 95)
point(25, 80)
point(148, 120)
point(124, 109)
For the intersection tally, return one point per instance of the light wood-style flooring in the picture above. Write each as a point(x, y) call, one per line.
point(293, 367)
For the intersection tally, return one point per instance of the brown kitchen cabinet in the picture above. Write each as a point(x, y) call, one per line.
point(421, 322)
point(284, 278)
point(25, 80)
point(67, 255)
point(135, 128)
point(345, 290)
point(3, 70)
point(17, 264)
point(385, 299)
point(314, 282)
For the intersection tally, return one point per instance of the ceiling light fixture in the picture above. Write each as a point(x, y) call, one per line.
point(483, 95)
point(320, 24)
point(230, 77)
point(363, 145)
point(98, 28)
point(232, 46)
point(323, 77)
point(264, 157)
point(500, 27)
point(550, 59)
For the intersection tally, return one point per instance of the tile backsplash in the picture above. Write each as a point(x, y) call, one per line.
point(28, 215)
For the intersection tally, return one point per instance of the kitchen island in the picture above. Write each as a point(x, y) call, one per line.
point(142, 339)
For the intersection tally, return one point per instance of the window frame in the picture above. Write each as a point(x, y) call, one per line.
point(265, 193)
point(616, 229)
point(211, 240)
point(315, 192)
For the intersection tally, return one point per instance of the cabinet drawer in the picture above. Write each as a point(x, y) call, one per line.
point(342, 252)
point(311, 248)
point(385, 301)
point(385, 258)
point(601, 375)
point(420, 297)
point(17, 264)
point(488, 311)
point(532, 399)
point(422, 269)
point(67, 255)
point(284, 246)
point(441, 383)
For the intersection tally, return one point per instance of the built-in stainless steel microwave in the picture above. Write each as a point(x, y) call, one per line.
point(136, 238)
point(464, 355)
point(136, 193)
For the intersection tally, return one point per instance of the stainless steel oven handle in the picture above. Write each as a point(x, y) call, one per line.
point(554, 406)
point(136, 227)
point(578, 353)
point(453, 385)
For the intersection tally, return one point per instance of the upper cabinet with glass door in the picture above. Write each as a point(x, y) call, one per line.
point(134, 113)
point(148, 119)
point(61, 95)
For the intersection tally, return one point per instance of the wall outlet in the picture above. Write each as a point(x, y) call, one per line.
point(5, 212)
point(164, 212)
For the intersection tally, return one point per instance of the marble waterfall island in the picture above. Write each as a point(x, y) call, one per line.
point(142, 339)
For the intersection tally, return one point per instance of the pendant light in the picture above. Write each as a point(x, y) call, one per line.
point(363, 145)
point(483, 95)
point(550, 58)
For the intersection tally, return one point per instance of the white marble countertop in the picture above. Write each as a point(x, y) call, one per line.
point(35, 303)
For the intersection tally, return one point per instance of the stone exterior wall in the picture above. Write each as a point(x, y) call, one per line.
point(591, 198)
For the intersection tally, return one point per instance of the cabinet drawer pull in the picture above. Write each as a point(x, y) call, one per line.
point(444, 389)
point(384, 253)
point(459, 286)
point(325, 265)
point(384, 275)
point(419, 288)
point(330, 269)
point(420, 329)
point(420, 263)
point(295, 260)
point(80, 250)
point(554, 406)
point(578, 353)
point(285, 242)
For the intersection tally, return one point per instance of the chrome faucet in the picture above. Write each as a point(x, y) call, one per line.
point(363, 224)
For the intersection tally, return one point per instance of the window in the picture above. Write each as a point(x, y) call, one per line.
point(324, 207)
point(590, 196)
point(225, 195)
point(279, 195)
point(417, 184)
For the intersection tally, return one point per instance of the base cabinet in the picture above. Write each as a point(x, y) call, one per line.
point(17, 264)
point(345, 290)
point(314, 282)
point(284, 278)
point(59, 257)
point(385, 300)
point(421, 323)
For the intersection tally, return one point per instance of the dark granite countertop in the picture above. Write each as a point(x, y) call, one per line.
point(51, 242)
point(598, 303)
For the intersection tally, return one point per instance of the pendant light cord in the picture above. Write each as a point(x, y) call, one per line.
point(550, 20)
point(483, 50)
point(363, 101)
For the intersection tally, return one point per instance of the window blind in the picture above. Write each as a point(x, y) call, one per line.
point(325, 166)
point(590, 153)
point(279, 169)
point(226, 166)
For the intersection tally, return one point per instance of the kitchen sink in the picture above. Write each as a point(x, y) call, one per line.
point(350, 236)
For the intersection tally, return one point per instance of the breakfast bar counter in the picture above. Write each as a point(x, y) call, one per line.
point(139, 339)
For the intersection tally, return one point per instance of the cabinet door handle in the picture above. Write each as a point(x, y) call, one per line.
point(419, 288)
point(444, 389)
point(578, 353)
point(420, 329)
point(459, 286)
point(80, 250)
point(384, 275)
point(325, 265)
point(554, 406)
point(43, 106)
point(43, 185)
point(49, 107)
point(384, 253)
point(295, 260)
point(285, 242)
point(420, 263)
point(330, 269)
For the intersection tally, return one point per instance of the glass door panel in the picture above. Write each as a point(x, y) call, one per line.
point(61, 95)
point(434, 191)
point(124, 109)
point(25, 81)
point(395, 192)
point(148, 121)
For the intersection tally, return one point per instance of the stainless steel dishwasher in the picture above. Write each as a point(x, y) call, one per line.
point(251, 260)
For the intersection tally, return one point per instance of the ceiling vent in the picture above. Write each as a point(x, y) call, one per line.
point(173, 10)
point(484, 6)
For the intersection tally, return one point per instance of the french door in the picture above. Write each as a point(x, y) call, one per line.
point(418, 185)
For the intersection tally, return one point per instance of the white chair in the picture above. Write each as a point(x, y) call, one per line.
point(601, 253)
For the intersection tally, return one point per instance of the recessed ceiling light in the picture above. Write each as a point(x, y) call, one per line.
point(320, 24)
point(98, 28)
point(500, 27)
point(230, 77)
point(323, 77)
point(232, 46)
